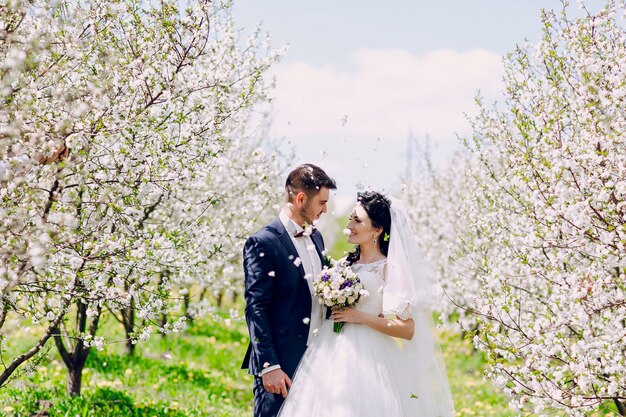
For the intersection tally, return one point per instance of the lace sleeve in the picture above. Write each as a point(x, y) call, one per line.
point(401, 313)
point(398, 305)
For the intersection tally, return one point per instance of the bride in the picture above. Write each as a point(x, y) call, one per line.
point(385, 362)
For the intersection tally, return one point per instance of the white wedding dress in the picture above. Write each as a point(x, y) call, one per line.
point(359, 372)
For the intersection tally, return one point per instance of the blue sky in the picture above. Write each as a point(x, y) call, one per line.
point(360, 75)
point(325, 32)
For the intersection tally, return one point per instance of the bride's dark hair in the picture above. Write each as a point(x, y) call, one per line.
point(377, 207)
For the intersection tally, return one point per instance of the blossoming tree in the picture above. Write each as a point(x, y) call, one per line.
point(132, 108)
point(527, 236)
point(439, 208)
point(550, 211)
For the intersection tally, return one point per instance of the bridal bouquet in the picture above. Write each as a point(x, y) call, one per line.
point(338, 286)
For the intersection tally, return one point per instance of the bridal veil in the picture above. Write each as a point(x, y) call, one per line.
point(409, 293)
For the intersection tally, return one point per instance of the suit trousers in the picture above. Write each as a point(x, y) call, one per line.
point(266, 404)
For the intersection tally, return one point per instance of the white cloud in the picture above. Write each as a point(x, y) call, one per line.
point(388, 92)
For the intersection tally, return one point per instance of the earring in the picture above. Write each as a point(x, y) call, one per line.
point(374, 240)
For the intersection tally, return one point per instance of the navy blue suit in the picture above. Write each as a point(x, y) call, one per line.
point(278, 301)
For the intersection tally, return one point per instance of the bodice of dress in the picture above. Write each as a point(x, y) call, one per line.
point(372, 277)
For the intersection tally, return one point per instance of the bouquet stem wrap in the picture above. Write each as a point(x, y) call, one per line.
point(338, 327)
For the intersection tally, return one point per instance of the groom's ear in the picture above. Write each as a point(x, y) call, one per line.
point(301, 198)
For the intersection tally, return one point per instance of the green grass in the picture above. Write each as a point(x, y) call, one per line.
point(192, 374)
point(197, 374)
point(472, 394)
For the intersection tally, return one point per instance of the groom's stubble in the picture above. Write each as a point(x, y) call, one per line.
point(315, 206)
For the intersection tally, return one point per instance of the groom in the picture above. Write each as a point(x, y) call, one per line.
point(280, 262)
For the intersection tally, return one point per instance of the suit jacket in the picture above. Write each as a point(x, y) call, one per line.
point(278, 299)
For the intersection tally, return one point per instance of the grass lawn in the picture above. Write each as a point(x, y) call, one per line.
point(196, 374)
point(192, 374)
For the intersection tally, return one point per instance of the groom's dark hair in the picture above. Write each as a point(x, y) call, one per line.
point(307, 178)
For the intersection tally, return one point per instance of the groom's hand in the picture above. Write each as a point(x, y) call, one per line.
point(276, 382)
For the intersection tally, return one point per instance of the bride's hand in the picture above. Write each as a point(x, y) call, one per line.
point(347, 315)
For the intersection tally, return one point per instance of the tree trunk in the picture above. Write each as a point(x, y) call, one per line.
point(163, 315)
point(4, 310)
point(128, 320)
point(163, 323)
point(74, 379)
point(130, 347)
point(75, 359)
point(621, 407)
point(186, 301)
point(203, 293)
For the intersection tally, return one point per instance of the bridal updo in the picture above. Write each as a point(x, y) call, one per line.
point(377, 207)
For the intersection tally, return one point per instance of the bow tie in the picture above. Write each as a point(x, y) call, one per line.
point(301, 234)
